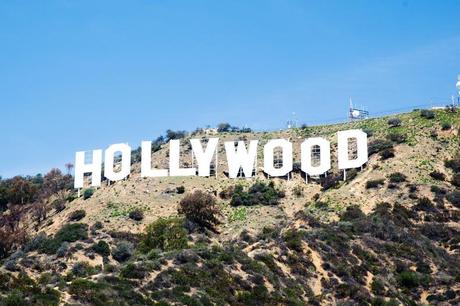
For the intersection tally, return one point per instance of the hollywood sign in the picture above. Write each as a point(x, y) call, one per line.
point(239, 158)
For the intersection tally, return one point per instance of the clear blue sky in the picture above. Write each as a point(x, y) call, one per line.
point(80, 75)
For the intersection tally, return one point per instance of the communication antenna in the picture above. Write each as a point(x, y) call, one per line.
point(458, 89)
point(355, 114)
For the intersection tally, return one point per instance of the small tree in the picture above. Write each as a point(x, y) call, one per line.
point(200, 208)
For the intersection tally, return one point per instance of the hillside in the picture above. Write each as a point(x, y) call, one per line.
point(388, 235)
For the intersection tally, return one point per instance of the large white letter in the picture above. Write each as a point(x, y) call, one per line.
point(240, 158)
point(146, 162)
point(203, 158)
point(94, 168)
point(361, 147)
point(174, 157)
point(286, 147)
point(324, 156)
point(125, 151)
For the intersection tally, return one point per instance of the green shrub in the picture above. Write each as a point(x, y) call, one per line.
point(123, 251)
point(424, 204)
point(180, 189)
point(102, 248)
point(379, 145)
point(82, 269)
point(397, 177)
point(88, 193)
point(387, 153)
point(258, 193)
point(200, 208)
point(397, 137)
point(166, 234)
point(445, 126)
point(14, 298)
point(427, 114)
point(374, 183)
point(136, 214)
point(59, 205)
point(394, 122)
point(439, 176)
point(408, 279)
point(454, 198)
point(353, 212)
point(134, 271)
point(377, 286)
point(293, 239)
point(77, 215)
point(72, 232)
point(68, 233)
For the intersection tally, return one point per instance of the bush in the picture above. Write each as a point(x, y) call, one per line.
point(200, 208)
point(397, 137)
point(374, 183)
point(77, 215)
point(352, 213)
point(453, 164)
point(72, 232)
point(427, 114)
point(408, 279)
point(123, 251)
point(134, 271)
point(82, 269)
point(377, 286)
point(102, 248)
point(439, 176)
point(258, 193)
point(387, 153)
point(63, 249)
point(165, 234)
point(394, 122)
point(379, 145)
point(456, 180)
point(180, 190)
point(424, 204)
point(397, 177)
point(454, 198)
point(59, 205)
point(68, 233)
point(445, 126)
point(88, 193)
point(227, 192)
point(136, 214)
point(369, 132)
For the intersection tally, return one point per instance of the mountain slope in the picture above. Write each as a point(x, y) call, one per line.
point(389, 234)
